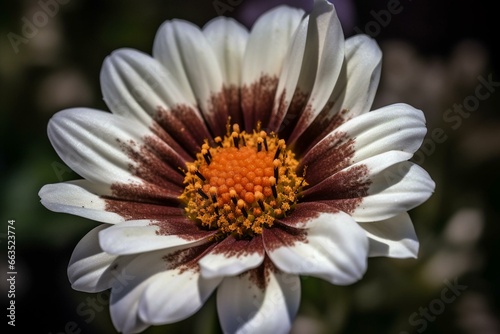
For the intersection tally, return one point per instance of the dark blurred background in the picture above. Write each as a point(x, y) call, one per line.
point(436, 55)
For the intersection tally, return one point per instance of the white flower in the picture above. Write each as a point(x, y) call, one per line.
point(236, 161)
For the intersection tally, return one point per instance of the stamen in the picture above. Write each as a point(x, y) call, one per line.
point(241, 206)
point(235, 139)
point(263, 135)
point(259, 144)
point(259, 197)
point(206, 156)
point(272, 181)
point(232, 193)
point(206, 147)
point(213, 194)
point(281, 147)
point(218, 141)
point(202, 194)
point(197, 173)
point(277, 154)
point(277, 164)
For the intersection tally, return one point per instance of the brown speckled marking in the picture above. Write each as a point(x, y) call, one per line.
point(155, 163)
point(298, 105)
point(285, 115)
point(130, 210)
point(231, 247)
point(281, 235)
point(305, 212)
point(126, 196)
point(233, 99)
point(182, 227)
point(184, 126)
point(218, 113)
point(319, 129)
point(343, 191)
point(260, 276)
point(187, 259)
point(257, 100)
point(307, 124)
point(347, 205)
point(331, 123)
point(278, 113)
point(328, 157)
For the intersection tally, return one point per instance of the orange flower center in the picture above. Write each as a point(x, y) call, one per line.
point(243, 184)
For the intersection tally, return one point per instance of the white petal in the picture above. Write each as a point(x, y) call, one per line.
point(268, 43)
point(363, 67)
point(94, 155)
point(246, 306)
point(136, 85)
point(333, 248)
point(398, 127)
point(323, 59)
point(183, 49)
point(394, 237)
point(304, 213)
point(228, 40)
point(137, 236)
point(135, 275)
point(77, 198)
point(397, 189)
point(174, 295)
point(352, 181)
point(232, 257)
point(288, 80)
point(168, 52)
point(354, 91)
point(124, 310)
point(124, 300)
point(105, 148)
point(267, 47)
point(87, 269)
